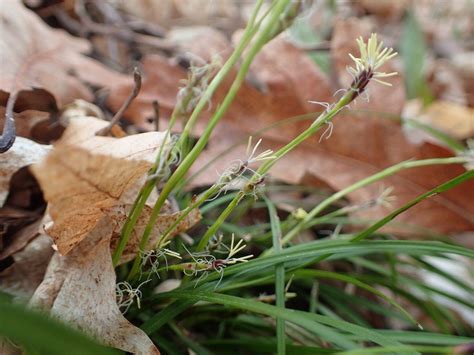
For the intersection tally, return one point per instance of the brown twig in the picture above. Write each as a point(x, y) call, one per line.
point(137, 78)
point(156, 116)
point(122, 33)
point(9, 132)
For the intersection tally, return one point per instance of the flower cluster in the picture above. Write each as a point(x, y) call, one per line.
point(205, 263)
point(126, 295)
point(372, 56)
point(232, 176)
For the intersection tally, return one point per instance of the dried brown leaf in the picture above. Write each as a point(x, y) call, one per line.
point(45, 61)
point(156, 69)
point(86, 177)
point(24, 152)
point(27, 122)
point(20, 239)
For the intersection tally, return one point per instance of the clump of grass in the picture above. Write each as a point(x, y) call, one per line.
point(345, 288)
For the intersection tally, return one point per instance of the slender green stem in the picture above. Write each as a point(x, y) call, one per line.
point(364, 182)
point(209, 193)
point(250, 31)
point(178, 110)
point(324, 118)
point(146, 190)
point(437, 190)
point(221, 219)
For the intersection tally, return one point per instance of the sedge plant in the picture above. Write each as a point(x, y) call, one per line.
point(215, 264)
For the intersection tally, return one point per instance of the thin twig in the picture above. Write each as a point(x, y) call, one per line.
point(122, 33)
point(9, 132)
point(156, 114)
point(137, 78)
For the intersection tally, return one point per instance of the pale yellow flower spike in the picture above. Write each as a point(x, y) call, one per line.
point(372, 56)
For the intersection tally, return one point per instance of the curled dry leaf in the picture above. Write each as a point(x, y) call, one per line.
point(27, 123)
point(47, 63)
point(79, 289)
point(24, 152)
point(86, 178)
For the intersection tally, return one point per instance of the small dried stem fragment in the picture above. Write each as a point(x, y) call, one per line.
point(9, 132)
point(156, 114)
point(137, 78)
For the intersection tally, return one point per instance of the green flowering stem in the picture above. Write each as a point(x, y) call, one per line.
point(209, 193)
point(323, 119)
point(146, 190)
point(306, 221)
point(181, 171)
point(212, 230)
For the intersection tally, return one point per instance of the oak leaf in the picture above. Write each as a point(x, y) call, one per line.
point(87, 177)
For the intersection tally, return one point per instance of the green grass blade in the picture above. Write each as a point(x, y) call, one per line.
point(325, 327)
point(45, 335)
point(279, 275)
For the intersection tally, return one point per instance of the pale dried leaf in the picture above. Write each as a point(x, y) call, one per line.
point(222, 13)
point(79, 289)
point(455, 120)
point(82, 188)
point(86, 176)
